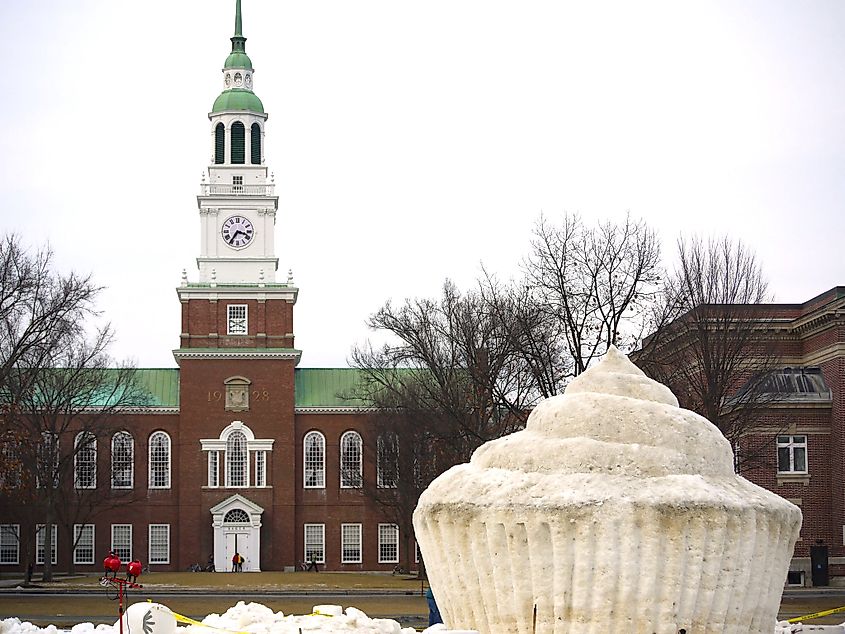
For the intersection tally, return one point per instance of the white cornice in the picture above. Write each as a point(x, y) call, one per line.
point(222, 353)
point(334, 410)
point(236, 291)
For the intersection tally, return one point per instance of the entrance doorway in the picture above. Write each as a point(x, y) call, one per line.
point(236, 522)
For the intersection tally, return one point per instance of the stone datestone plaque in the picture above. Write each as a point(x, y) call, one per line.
point(613, 511)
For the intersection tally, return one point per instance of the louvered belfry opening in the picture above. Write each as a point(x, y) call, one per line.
point(219, 144)
point(238, 143)
point(255, 146)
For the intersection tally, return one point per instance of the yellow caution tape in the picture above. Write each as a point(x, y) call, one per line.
point(816, 615)
point(185, 619)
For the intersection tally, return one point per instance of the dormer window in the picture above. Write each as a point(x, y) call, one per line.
point(236, 319)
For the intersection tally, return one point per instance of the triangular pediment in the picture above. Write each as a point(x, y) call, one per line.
point(236, 501)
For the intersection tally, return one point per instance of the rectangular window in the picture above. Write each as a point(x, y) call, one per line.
point(315, 543)
point(387, 469)
point(260, 468)
point(159, 544)
point(121, 541)
point(83, 537)
point(350, 543)
point(236, 319)
point(792, 454)
point(10, 543)
point(237, 184)
point(40, 534)
point(388, 544)
point(213, 469)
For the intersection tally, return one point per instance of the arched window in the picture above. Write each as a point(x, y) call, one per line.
point(236, 516)
point(255, 144)
point(314, 460)
point(219, 144)
point(85, 461)
point(122, 461)
point(236, 460)
point(159, 460)
point(351, 460)
point(238, 143)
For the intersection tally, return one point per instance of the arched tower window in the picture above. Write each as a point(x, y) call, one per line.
point(236, 460)
point(122, 460)
point(159, 460)
point(238, 143)
point(351, 460)
point(255, 147)
point(219, 144)
point(314, 460)
point(85, 461)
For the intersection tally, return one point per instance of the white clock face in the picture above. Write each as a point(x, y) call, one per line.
point(237, 231)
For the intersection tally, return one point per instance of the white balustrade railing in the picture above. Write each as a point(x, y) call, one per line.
point(228, 189)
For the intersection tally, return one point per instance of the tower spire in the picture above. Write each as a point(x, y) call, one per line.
point(238, 41)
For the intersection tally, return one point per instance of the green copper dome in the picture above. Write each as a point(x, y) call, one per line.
point(238, 99)
point(238, 59)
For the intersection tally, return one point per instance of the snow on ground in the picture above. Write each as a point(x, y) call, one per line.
point(255, 618)
point(249, 618)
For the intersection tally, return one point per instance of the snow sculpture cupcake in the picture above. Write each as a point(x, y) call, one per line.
point(613, 511)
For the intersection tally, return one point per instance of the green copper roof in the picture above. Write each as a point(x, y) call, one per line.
point(238, 57)
point(238, 99)
point(326, 387)
point(238, 60)
point(162, 385)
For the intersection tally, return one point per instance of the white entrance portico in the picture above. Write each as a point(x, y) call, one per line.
point(237, 529)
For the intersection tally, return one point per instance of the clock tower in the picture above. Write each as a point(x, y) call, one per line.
point(236, 356)
point(237, 201)
point(237, 303)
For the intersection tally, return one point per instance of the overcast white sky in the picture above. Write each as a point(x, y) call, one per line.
point(412, 141)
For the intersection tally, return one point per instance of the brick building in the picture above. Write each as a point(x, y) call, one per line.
point(238, 450)
point(796, 446)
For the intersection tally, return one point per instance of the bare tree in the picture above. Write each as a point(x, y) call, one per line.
point(597, 283)
point(711, 345)
point(60, 398)
point(453, 378)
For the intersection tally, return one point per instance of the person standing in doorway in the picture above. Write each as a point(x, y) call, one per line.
point(236, 560)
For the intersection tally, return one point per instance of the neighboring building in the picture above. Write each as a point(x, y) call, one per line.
point(238, 450)
point(799, 448)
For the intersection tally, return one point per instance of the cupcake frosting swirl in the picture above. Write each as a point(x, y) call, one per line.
point(612, 419)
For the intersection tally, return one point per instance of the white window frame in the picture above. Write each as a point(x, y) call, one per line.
point(131, 452)
point(231, 329)
point(384, 531)
point(115, 547)
point(169, 473)
point(348, 534)
point(230, 465)
point(49, 445)
point(166, 532)
point(791, 445)
point(214, 469)
point(87, 438)
point(79, 541)
point(260, 468)
point(380, 463)
point(40, 534)
point(318, 467)
point(10, 537)
point(321, 531)
point(349, 467)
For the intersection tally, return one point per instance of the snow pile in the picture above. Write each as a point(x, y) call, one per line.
point(253, 618)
